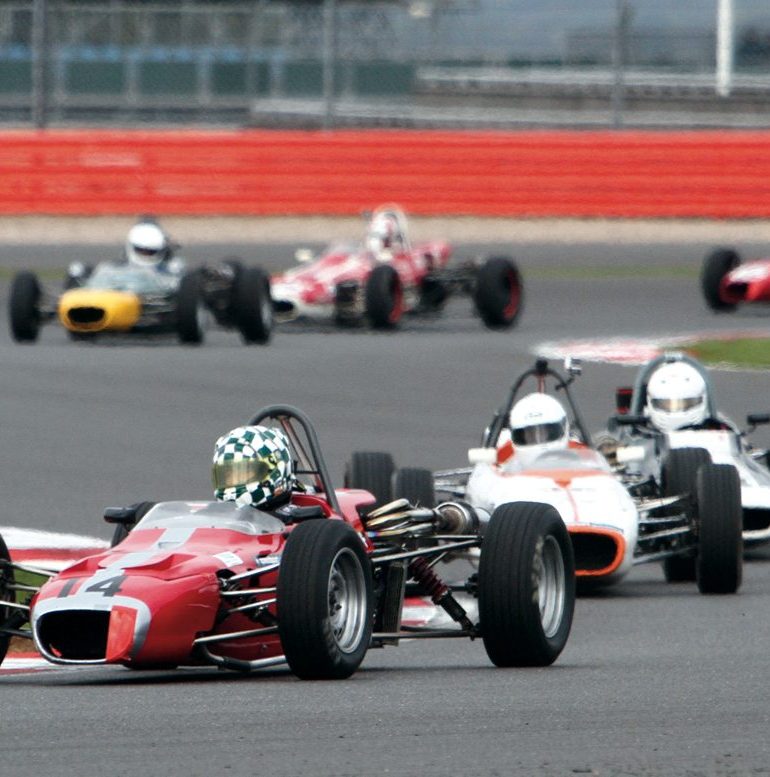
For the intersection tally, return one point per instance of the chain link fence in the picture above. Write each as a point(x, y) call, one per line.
point(353, 62)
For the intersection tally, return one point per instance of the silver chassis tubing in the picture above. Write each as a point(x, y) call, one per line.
point(438, 550)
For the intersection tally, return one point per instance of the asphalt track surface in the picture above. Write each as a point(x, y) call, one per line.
point(655, 680)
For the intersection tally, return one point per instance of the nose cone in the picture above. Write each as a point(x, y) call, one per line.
point(97, 310)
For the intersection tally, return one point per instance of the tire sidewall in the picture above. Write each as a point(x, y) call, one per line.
point(304, 623)
point(498, 294)
point(383, 297)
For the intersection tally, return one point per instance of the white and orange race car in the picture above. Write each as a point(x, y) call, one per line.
point(613, 526)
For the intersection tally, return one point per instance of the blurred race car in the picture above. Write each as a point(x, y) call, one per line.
point(386, 277)
point(537, 451)
point(727, 282)
point(313, 583)
point(671, 407)
point(148, 291)
point(118, 298)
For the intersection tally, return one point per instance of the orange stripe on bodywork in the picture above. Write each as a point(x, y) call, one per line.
point(620, 550)
point(562, 477)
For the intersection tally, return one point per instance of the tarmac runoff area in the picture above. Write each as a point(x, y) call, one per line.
point(29, 230)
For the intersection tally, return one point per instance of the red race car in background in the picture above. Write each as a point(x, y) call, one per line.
point(387, 276)
point(726, 282)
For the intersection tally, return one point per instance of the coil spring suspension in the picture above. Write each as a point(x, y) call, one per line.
point(422, 573)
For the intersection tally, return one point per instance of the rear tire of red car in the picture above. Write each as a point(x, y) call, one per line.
point(719, 563)
point(252, 306)
point(6, 595)
point(715, 266)
point(383, 297)
point(371, 471)
point(499, 292)
point(416, 485)
point(324, 600)
point(24, 307)
point(679, 476)
point(189, 309)
point(526, 585)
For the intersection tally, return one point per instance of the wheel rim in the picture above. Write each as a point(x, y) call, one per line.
point(551, 584)
point(347, 600)
point(5, 590)
point(266, 313)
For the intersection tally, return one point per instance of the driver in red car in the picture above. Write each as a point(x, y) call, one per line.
point(253, 466)
point(385, 236)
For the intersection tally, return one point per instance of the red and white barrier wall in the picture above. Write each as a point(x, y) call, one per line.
point(723, 174)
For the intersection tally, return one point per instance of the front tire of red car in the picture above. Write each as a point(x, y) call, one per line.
point(715, 266)
point(384, 297)
point(324, 600)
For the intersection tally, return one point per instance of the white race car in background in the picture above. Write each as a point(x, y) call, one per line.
point(612, 525)
point(645, 449)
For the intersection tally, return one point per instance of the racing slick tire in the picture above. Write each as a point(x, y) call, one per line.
point(324, 600)
point(189, 309)
point(719, 563)
point(24, 307)
point(371, 471)
point(6, 595)
point(499, 292)
point(416, 485)
point(715, 266)
point(252, 306)
point(383, 297)
point(679, 476)
point(526, 585)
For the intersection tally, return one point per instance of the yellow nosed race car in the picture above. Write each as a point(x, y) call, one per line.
point(119, 298)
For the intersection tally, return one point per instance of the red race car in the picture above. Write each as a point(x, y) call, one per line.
point(726, 282)
point(386, 277)
point(313, 583)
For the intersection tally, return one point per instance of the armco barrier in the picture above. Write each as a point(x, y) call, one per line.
point(270, 172)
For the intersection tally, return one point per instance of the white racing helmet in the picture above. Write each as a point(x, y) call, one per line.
point(383, 235)
point(676, 397)
point(146, 245)
point(538, 424)
point(252, 465)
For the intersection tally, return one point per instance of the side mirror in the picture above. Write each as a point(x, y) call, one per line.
point(76, 270)
point(757, 419)
point(573, 366)
point(482, 455)
point(623, 396)
point(304, 255)
point(123, 515)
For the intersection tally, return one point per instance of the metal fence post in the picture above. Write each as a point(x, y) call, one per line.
point(40, 60)
point(619, 56)
point(724, 47)
point(329, 57)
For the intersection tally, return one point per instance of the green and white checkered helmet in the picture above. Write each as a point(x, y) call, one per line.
point(252, 466)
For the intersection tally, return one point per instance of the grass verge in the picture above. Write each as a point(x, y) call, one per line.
point(741, 352)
